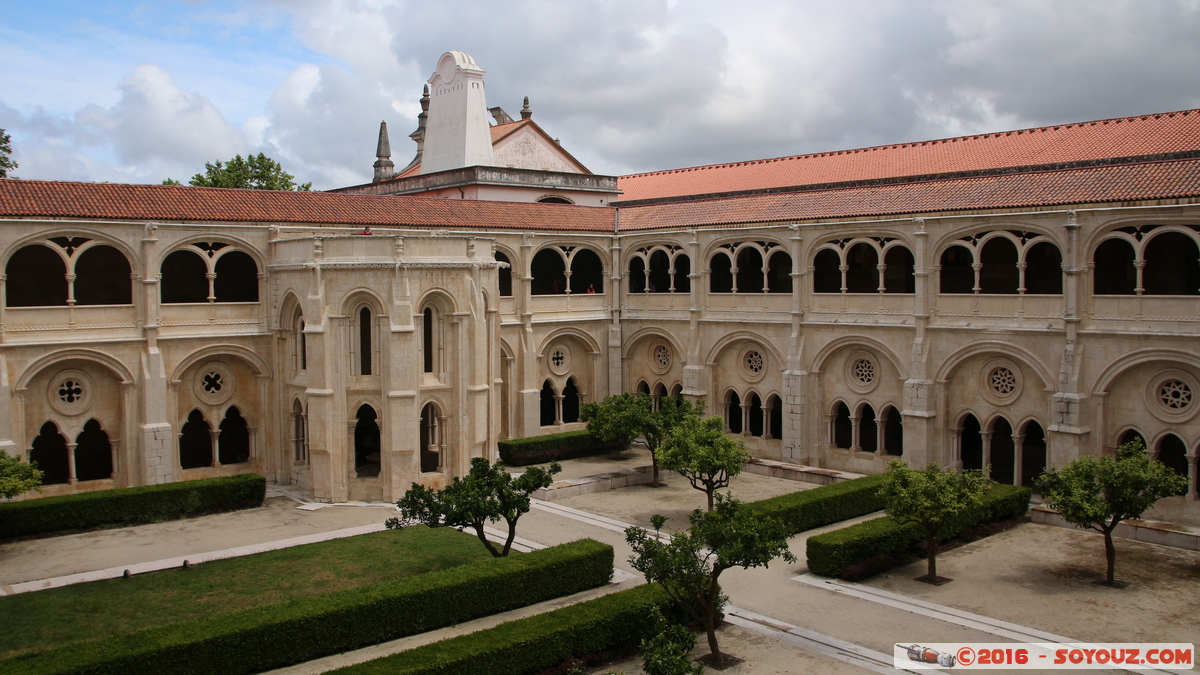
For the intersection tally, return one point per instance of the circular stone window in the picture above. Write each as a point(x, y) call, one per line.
point(213, 383)
point(862, 373)
point(1001, 381)
point(1171, 395)
point(559, 359)
point(754, 364)
point(71, 393)
point(660, 358)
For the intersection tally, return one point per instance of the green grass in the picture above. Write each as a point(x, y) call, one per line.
point(54, 617)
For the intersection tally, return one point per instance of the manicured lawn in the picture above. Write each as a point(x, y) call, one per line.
point(57, 616)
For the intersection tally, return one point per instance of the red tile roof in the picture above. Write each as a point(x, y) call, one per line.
point(171, 203)
point(1123, 137)
point(1089, 185)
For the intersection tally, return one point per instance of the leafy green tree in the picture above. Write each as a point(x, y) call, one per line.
point(659, 424)
point(1099, 492)
point(929, 498)
point(486, 494)
point(689, 564)
point(256, 172)
point(171, 181)
point(17, 477)
point(6, 163)
point(668, 649)
point(701, 452)
point(623, 418)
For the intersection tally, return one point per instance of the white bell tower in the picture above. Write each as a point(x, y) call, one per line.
point(458, 134)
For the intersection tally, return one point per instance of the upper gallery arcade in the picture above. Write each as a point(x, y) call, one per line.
point(1012, 300)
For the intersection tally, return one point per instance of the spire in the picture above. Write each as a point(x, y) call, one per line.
point(384, 168)
point(526, 112)
point(418, 136)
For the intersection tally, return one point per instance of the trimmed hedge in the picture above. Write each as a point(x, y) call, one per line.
point(145, 504)
point(532, 644)
point(274, 636)
point(818, 507)
point(552, 447)
point(833, 553)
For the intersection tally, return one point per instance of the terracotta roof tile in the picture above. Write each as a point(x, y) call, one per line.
point(1123, 137)
point(172, 203)
point(1103, 184)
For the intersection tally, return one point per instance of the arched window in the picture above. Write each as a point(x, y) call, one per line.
point(93, 453)
point(999, 274)
point(1114, 272)
point(1172, 265)
point(427, 344)
point(365, 330)
point(1043, 269)
point(827, 275)
point(868, 429)
point(36, 277)
point(720, 278)
point(233, 443)
point(1003, 451)
point(587, 272)
point(570, 402)
point(431, 439)
point(643, 388)
point(843, 428)
point(660, 272)
point(776, 417)
point(1173, 453)
point(970, 444)
point(683, 271)
point(548, 270)
point(298, 342)
point(195, 442)
point(898, 275)
point(103, 277)
point(733, 412)
point(1033, 454)
point(549, 404)
point(1130, 436)
point(299, 432)
point(660, 392)
point(862, 271)
point(893, 431)
point(757, 423)
point(637, 275)
point(505, 275)
point(237, 278)
point(366, 443)
point(779, 272)
point(50, 454)
point(677, 391)
point(750, 270)
point(184, 278)
point(957, 275)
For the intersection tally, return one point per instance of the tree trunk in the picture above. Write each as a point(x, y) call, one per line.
point(931, 550)
point(710, 618)
point(1110, 553)
point(654, 464)
point(483, 537)
point(710, 492)
point(512, 534)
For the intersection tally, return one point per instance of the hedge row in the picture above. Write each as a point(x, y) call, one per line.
point(149, 503)
point(818, 507)
point(532, 644)
point(836, 553)
point(552, 447)
point(274, 636)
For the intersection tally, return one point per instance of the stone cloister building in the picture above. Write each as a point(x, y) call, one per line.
point(1012, 300)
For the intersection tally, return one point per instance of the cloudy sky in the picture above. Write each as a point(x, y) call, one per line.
point(135, 92)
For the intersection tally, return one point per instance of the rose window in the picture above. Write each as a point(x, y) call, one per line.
point(70, 391)
point(212, 382)
point(1003, 381)
point(864, 371)
point(557, 358)
point(754, 361)
point(662, 356)
point(1175, 394)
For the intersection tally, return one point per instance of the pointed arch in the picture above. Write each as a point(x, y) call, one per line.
point(549, 404)
point(432, 435)
point(893, 431)
point(570, 402)
point(93, 453)
point(367, 447)
point(733, 412)
point(1033, 453)
point(868, 429)
point(50, 454)
point(842, 432)
point(195, 442)
point(970, 443)
point(233, 443)
point(1003, 451)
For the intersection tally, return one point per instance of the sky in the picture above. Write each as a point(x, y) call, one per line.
point(135, 92)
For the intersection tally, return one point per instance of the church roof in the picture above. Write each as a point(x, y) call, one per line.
point(1145, 135)
point(113, 201)
point(502, 131)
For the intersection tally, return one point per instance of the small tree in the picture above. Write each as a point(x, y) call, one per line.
point(1100, 492)
point(929, 498)
point(617, 419)
point(689, 565)
point(486, 494)
point(701, 452)
point(658, 425)
point(6, 163)
point(668, 648)
point(256, 172)
point(17, 477)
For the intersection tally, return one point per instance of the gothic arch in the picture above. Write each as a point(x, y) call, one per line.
point(730, 339)
point(1138, 357)
point(650, 333)
point(583, 336)
point(256, 362)
point(118, 369)
point(851, 341)
point(1022, 356)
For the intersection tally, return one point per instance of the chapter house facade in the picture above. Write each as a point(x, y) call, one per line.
point(1012, 300)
